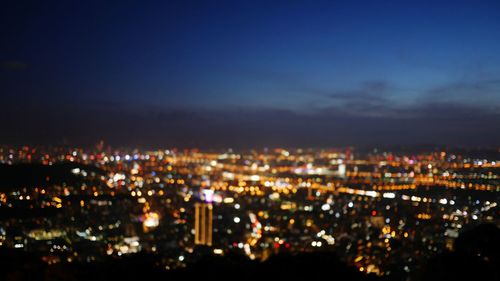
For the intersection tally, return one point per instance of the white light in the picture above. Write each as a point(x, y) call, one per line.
point(443, 201)
point(350, 205)
point(341, 169)
point(236, 219)
point(237, 206)
point(151, 220)
point(207, 195)
point(181, 258)
point(416, 199)
point(325, 207)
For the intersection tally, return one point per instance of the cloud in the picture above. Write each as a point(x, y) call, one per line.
point(369, 90)
point(476, 90)
point(468, 88)
point(370, 98)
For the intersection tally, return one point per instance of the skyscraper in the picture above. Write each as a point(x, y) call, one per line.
point(203, 224)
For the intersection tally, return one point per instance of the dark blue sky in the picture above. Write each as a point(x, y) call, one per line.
point(249, 73)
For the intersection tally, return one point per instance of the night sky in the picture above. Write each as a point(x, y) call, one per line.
point(250, 74)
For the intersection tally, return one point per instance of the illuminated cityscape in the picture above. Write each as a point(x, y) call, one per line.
point(291, 140)
point(384, 213)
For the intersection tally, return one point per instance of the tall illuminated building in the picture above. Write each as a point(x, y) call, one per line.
point(203, 220)
point(203, 224)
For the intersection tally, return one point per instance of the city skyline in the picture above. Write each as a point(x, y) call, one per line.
point(324, 213)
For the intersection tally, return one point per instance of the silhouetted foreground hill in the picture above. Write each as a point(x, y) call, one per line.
point(476, 258)
point(311, 266)
point(32, 174)
point(20, 266)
